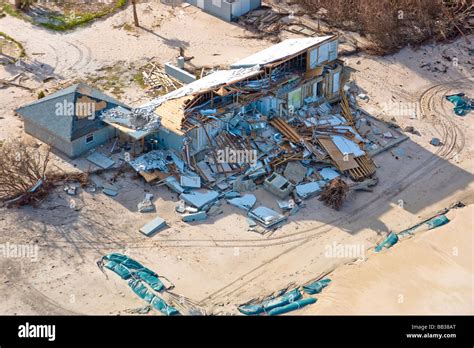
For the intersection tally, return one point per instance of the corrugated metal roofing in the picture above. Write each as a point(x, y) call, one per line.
point(279, 51)
point(347, 146)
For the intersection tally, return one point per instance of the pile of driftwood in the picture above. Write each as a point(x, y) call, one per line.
point(334, 193)
point(12, 83)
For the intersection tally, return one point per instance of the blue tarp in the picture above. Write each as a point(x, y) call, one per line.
point(462, 104)
point(437, 221)
point(151, 278)
point(122, 271)
point(270, 304)
point(142, 292)
point(163, 307)
point(126, 267)
point(119, 258)
point(292, 306)
point(251, 309)
point(434, 222)
point(316, 287)
point(392, 238)
point(137, 274)
point(390, 241)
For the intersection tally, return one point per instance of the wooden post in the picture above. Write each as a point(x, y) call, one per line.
point(135, 15)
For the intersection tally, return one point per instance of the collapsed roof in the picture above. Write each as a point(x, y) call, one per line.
point(214, 80)
point(137, 123)
point(169, 109)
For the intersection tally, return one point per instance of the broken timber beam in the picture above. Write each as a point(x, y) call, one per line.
point(290, 133)
point(8, 83)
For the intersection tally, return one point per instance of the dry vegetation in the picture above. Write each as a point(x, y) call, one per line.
point(392, 24)
point(25, 176)
point(21, 168)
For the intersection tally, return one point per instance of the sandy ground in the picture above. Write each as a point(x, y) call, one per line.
point(218, 262)
point(429, 273)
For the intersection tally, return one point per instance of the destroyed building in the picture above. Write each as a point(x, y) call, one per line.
point(68, 119)
point(275, 100)
point(280, 119)
point(226, 9)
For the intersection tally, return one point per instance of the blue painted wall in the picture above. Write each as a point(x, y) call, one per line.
point(225, 10)
point(53, 121)
point(170, 140)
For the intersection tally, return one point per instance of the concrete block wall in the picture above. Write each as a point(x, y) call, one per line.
point(179, 74)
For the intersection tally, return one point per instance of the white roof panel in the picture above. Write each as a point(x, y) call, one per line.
point(216, 79)
point(279, 51)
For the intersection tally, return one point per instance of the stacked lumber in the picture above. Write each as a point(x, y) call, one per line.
point(365, 168)
point(292, 135)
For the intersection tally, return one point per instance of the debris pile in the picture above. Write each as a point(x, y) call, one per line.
point(146, 205)
point(265, 20)
point(315, 151)
point(283, 120)
point(462, 104)
point(271, 21)
point(155, 77)
point(22, 172)
point(151, 161)
point(25, 175)
point(334, 193)
point(136, 119)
